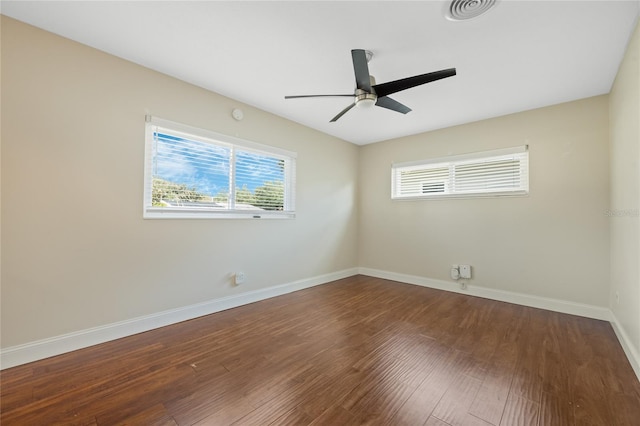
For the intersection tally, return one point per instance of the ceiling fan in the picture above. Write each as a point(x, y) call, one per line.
point(368, 93)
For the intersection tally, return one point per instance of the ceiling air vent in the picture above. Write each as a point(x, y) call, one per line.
point(462, 10)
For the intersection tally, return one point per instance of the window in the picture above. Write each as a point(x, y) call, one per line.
point(196, 173)
point(490, 173)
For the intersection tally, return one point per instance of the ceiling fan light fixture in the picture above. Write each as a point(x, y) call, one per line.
point(365, 99)
point(463, 10)
point(365, 103)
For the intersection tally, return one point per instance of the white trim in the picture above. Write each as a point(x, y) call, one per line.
point(179, 213)
point(45, 348)
point(218, 138)
point(439, 196)
point(556, 305)
point(465, 157)
point(628, 347)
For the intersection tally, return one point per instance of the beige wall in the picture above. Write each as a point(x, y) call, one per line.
point(625, 192)
point(553, 243)
point(76, 252)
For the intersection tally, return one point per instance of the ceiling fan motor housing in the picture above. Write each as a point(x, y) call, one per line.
point(365, 99)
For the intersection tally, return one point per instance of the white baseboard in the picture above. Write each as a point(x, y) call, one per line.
point(549, 304)
point(33, 351)
point(628, 347)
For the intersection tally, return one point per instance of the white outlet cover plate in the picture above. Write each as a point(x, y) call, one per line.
point(465, 271)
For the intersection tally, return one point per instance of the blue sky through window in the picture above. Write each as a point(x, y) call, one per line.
point(206, 167)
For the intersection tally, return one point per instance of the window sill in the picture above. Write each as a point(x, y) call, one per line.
point(208, 214)
point(463, 196)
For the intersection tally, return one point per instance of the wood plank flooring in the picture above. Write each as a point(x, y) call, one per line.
point(356, 351)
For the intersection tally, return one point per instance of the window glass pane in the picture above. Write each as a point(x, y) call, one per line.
point(423, 181)
point(501, 175)
point(259, 181)
point(189, 173)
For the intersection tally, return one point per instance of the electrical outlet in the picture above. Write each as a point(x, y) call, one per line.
point(239, 278)
point(465, 271)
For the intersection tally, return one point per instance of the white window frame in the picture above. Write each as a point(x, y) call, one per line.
point(520, 154)
point(202, 135)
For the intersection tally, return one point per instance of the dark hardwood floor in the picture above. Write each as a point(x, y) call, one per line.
point(357, 351)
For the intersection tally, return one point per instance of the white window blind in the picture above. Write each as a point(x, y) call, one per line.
point(196, 173)
point(490, 173)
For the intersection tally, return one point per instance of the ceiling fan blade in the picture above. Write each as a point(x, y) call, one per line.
point(315, 96)
point(392, 104)
point(385, 89)
point(343, 112)
point(361, 69)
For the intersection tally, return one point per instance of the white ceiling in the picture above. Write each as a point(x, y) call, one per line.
point(518, 56)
